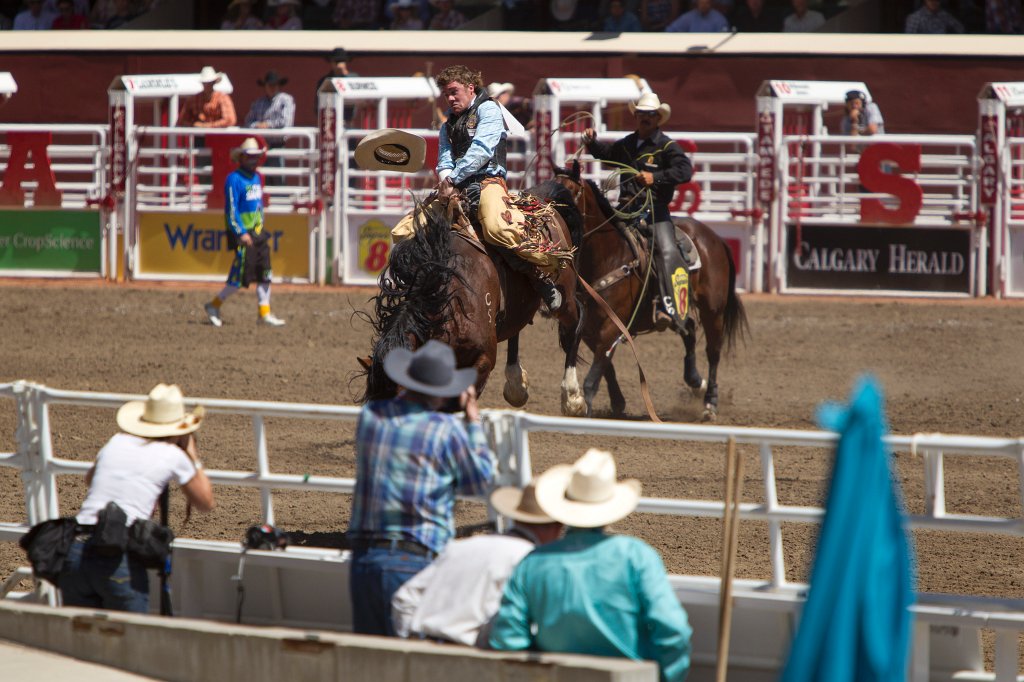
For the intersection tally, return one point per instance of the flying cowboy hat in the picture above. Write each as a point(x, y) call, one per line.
point(430, 370)
point(585, 494)
point(249, 147)
point(392, 150)
point(650, 102)
point(161, 414)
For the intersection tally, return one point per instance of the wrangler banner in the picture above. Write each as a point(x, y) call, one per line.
point(60, 241)
point(196, 244)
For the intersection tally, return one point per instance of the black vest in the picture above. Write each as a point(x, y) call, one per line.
point(462, 129)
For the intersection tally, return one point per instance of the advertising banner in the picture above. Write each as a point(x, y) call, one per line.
point(64, 241)
point(879, 258)
point(196, 244)
point(367, 246)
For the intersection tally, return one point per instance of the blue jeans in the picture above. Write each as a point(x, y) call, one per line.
point(375, 576)
point(116, 583)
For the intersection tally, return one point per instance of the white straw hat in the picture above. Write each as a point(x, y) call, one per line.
point(586, 494)
point(495, 89)
point(209, 75)
point(650, 102)
point(161, 414)
point(519, 505)
point(250, 147)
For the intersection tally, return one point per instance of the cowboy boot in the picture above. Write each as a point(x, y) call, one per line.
point(541, 281)
point(670, 270)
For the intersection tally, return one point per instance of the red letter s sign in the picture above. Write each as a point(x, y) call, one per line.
point(907, 157)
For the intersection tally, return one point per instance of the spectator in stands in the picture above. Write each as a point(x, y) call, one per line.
point(703, 18)
point(156, 445)
point(525, 15)
point(504, 94)
point(803, 20)
point(412, 458)
point(454, 598)
point(239, 17)
point(405, 18)
point(656, 15)
point(209, 108)
point(81, 7)
point(33, 17)
point(357, 15)
point(339, 59)
point(861, 116)
point(931, 18)
point(285, 17)
point(620, 20)
point(593, 592)
point(67, 19)
point(275, 109)
point(447, 18)
point(1004, 17)
point(124, 11)
point(243, 214)
point(753, 17)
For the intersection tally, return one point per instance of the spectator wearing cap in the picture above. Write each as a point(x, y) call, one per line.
point(861, 117)
point(284, 17)
point(620, 20)
point(404, 16)
point(454, 598)
point(155, 446)
point(33, 17)
point(412, 458)
point(703, 18)
point(67, 19)
point(446, 18)
point(275, 109)
point(209, 108)
point(931, 18)
point(239, 17)
point(593, 592)
point(357, 15)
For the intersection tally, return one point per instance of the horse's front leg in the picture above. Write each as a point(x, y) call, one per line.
point(570, 333)
point(517, 382)
point(691, 375)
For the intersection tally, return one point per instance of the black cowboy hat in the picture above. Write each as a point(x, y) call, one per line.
point(338, 54)
point(430, 370)
point(272, 78)
point(856, 94)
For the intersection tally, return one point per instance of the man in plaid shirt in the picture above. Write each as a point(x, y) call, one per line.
point(412, 459)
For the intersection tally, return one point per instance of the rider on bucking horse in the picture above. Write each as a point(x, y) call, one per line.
point(660, 165)
point(471, 160)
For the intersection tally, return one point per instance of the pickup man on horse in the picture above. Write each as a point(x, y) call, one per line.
point(661, 165)
point(471, 159)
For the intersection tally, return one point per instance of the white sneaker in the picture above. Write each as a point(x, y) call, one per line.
point(271, 320)
point(213, 313)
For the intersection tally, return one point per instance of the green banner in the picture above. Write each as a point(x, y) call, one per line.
point(50, 240)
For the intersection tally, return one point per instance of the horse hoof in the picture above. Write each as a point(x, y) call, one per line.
point(700, 388)
point(710, 413)
point(516, 396)
point(573, 405)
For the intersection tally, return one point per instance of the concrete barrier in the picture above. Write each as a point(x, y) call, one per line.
point(195, 650)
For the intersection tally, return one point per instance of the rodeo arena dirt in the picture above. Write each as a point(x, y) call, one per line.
point(902, 260)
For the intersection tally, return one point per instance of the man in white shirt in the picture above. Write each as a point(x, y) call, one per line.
point(455, 597)
point(803, 20)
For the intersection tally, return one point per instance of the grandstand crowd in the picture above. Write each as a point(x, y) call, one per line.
point(608, 16)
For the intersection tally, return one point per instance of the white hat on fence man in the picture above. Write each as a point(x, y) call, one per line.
point(495, 90)
point(250, 147)
point(585, 494)
point(650, 102)
point(161, 414)
point(209, 75)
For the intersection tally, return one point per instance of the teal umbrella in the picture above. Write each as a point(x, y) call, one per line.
point(856, 625)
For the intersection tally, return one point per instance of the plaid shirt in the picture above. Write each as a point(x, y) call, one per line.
point(277, 112)
point(924, 21)
point(411, 462)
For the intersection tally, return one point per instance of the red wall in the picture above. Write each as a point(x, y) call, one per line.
point(707, 93)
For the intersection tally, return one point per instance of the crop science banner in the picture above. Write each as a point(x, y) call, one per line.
point(58, 241)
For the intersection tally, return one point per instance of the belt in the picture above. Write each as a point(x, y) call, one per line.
point(408, 546)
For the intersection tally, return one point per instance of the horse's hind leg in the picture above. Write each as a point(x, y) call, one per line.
point(691, 375)
point(517, 382)
point(615, 396)
point(714, 336)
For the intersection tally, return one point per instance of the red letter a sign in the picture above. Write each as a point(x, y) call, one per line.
point(907, 157)
point(24, 145)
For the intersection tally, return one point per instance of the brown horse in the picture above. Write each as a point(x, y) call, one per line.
point(442, 285)
point(618, 265)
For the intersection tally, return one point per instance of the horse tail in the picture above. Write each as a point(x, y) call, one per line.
point(415, 298)
point(735, 324)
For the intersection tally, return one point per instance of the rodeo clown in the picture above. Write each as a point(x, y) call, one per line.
point(661, 165)
point(472, 159)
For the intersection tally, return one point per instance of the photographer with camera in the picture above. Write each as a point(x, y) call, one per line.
point(861, 117)
point(157, 444)
point(412, 458)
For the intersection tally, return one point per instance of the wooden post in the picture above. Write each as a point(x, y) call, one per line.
point(730, 538)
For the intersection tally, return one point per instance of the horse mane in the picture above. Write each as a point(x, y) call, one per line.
point(416, 297)
point(574, 174)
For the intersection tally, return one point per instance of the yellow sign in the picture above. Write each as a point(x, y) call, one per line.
point(681, 290)
point(374, 245)
point(196, 244)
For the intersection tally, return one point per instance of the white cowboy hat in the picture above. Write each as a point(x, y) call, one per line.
point(209, 75)
point(650, 102)
point(519, 505)
point(393, 150)
point(430, 370)
point(250, 147)
point(586, 494)
point(161, 414)
point(495, 89)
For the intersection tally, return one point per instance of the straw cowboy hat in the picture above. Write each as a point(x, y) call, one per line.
point(650, 102)
point(495, 89)
point(209, 75)
point(392, 150)
point(519, 505)
point(161, 414)
point(250, 147)
point(430, 370)
point(585, 494)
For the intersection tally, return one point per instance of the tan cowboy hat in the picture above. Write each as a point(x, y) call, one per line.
point(495, 89)
point(519, 505)
point(209, 75)
point(250, 147)
point(161, 414)
point(585, 494)
point(392, 150)
point(650, 102)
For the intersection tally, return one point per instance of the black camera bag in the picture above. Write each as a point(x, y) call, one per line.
point(150, 543)
point(47, 545)
point(111, 535)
